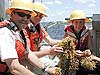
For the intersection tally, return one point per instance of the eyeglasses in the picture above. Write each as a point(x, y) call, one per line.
point(22, 14)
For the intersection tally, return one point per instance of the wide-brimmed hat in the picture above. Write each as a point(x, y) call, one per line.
point(78, 14)
point(40, 7)
point(21, 4)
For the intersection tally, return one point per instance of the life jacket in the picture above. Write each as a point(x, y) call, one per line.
point(80, 41)
point(20, 48)
point(35, 37)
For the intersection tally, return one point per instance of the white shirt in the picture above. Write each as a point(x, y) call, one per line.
point(7, 44)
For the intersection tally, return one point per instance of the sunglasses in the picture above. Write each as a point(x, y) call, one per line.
point(39, 15)
point(22, 14)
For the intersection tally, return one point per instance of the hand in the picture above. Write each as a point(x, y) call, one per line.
point(95, 58)
point(79, 53)
point(4, 23)
point(52, 70)
point(58, 49)
point(55, 49)
point(87, 52)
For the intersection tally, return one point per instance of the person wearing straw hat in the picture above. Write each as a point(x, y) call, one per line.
point(38, 33)
point(81, 35)
point(78, 31)
point(14, 44)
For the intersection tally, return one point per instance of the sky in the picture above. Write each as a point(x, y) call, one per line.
point(58, 10)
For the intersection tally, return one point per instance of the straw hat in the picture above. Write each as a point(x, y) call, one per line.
point(78, 14)
point(40, 7)
point(21, 4)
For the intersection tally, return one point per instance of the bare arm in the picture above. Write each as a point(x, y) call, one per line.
point(36, 62)
point(31, 56)
point(96, 58)
point(50, 41)
point(48, 50)
point(16, 68)
point(44, 50)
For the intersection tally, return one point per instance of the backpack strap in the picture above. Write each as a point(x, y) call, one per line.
point(23, 37)
point(5, 72)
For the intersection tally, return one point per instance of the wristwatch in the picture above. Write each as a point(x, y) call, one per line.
point(45, 69)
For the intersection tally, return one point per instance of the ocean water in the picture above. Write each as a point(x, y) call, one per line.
point(56, 30)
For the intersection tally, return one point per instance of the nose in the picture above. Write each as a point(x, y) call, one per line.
point(25, 18)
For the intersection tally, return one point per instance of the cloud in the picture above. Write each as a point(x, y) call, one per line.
point(68, 7)
point(53, 2)
point(93, 1)
point(91, 5)
point(49, 3)
point(85, 1)
point(58, 2)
